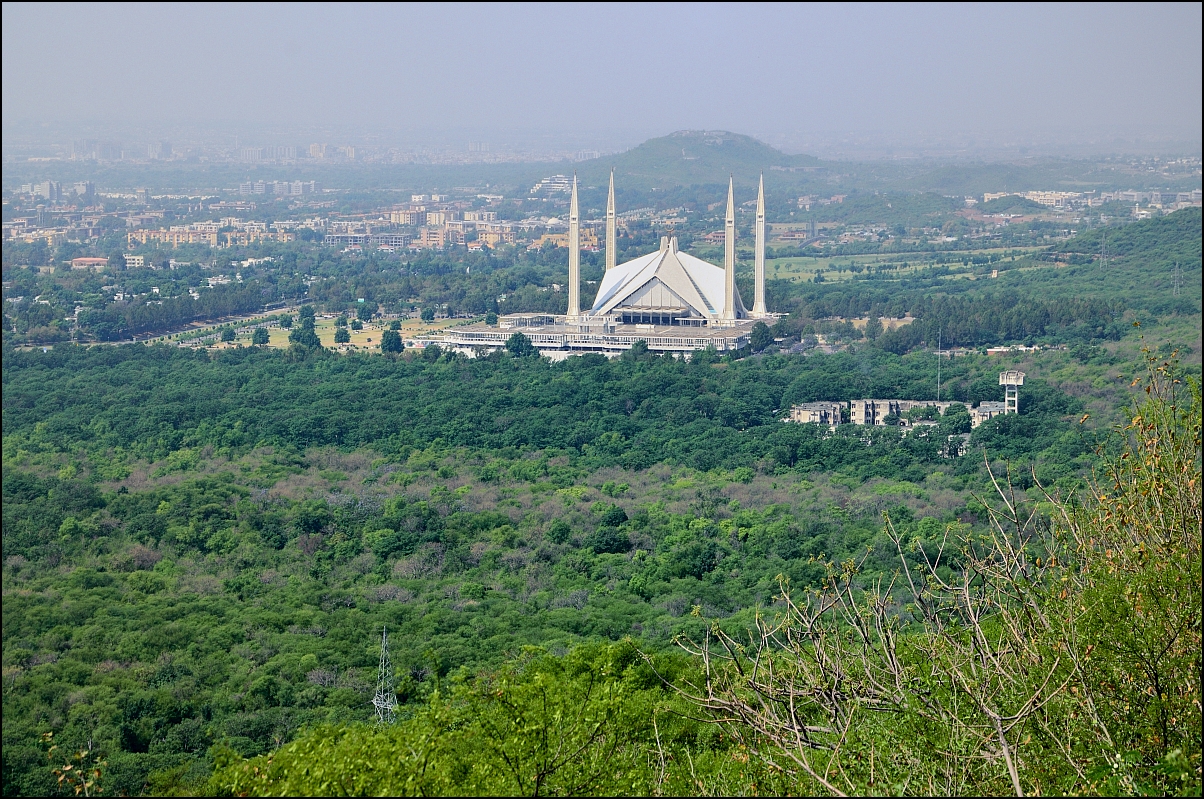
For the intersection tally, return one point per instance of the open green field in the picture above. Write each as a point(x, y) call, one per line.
point(361, 340)
point(841, 267)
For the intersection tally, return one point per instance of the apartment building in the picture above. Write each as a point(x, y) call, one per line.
point(874, 411)
point(414, 218)
point(494, 237)
point(828, 413)
point(251, 236)
point(174, 237)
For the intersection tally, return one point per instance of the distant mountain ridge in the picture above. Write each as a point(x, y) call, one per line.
point(695, 157)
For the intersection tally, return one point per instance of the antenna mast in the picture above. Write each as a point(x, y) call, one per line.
point(385, 700)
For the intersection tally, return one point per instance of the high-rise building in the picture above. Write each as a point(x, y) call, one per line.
point(83, 148)
point(108, 151)
point(48, 190)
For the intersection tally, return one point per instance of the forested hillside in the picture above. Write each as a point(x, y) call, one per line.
point(1069, 665)
point(181, 593)
point(200, 550)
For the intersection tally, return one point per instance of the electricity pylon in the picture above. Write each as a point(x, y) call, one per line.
point(385, 700)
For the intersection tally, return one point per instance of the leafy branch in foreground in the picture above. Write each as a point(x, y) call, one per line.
point(1060, 651)
point(81, 774)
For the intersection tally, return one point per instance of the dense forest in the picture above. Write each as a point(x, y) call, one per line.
point(1067, 661)
point(191, 580)
point(147, 402)
point(614, 576)
point(277, 507)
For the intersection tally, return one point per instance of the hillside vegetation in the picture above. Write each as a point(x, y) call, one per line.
point(1067, 660)
point(203, 550)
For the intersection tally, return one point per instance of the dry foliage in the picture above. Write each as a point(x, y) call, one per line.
point(1058, 651)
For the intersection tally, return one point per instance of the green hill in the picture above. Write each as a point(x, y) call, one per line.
point(1174, 237)
point(1012, 204)
point(696, 157)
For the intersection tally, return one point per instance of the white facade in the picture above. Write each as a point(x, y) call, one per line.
point(669, 281)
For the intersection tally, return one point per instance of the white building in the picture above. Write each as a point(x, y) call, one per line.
point(674, 302)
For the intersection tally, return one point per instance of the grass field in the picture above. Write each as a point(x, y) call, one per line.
point(836, 268)
point(361, 340)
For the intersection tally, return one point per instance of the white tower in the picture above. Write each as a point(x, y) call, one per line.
point(1011, 381)
point(759, 303)
point(611, 242)
point(729, 256)
point(574, 315)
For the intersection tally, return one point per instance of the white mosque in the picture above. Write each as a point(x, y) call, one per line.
point(669, 299)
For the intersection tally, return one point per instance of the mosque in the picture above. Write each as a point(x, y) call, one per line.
point(669, 299)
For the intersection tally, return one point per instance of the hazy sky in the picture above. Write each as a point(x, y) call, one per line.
point(631, 71)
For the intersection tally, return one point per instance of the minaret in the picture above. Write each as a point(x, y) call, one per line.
point(729, 256)
point(574, 314)
point(611, 243)
point(759, 304)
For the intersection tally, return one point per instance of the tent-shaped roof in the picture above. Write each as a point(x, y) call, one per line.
point(667, 279)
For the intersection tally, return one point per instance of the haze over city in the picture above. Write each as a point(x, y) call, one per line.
point(832, 80)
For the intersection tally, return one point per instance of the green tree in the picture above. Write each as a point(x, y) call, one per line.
point(366, 310)
point(357, 324)
point(260, 337)
point(608, 539)
point(956, 420)
point(390, 341)
point(520, 346)
point(873, 328)
point(559, 532)
point(760, 337)
point(228, 334)
point(491, 318)
point(428, 314)
point(304, 336)
point(342, 335)
point(286, 321)
point(341, 321)
point(307, 312)
point(638, 351)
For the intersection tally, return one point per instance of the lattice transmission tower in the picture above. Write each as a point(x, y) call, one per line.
point(385, 700)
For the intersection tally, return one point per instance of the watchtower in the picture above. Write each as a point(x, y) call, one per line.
point(1011, 380)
